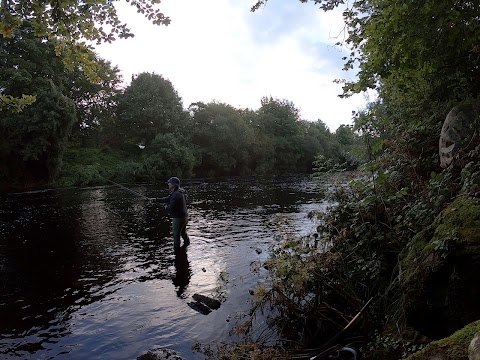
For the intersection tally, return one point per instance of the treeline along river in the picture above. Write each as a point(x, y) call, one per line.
point(90, 273)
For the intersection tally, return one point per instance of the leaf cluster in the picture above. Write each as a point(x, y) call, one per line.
point(76, 20)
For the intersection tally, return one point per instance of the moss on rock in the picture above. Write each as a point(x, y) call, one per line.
point(454, 347)
point(440, 291)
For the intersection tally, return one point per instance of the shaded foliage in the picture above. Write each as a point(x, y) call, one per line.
point(33, 140)
point(96, 102)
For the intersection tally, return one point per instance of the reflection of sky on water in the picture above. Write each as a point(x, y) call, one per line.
point(104, 281)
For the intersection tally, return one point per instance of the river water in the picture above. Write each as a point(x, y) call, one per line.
point(90, 273)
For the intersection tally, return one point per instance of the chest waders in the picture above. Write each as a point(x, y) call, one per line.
point(179, 229)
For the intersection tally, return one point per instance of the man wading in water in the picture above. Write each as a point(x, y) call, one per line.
point(177, 209)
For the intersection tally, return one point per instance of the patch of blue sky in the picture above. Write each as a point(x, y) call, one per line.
point(280, 18)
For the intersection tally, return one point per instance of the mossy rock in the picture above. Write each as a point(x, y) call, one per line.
point(454, 347)
point(439, 271)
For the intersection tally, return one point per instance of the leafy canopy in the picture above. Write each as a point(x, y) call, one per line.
point(33, 140)
point(73, 20)
point(72, 23)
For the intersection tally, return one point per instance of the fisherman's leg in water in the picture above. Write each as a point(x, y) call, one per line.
point(179, 229)
point(186, 239)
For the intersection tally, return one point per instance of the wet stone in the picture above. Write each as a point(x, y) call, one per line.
point(160, 354)
point(208, 301)
point(199, 307)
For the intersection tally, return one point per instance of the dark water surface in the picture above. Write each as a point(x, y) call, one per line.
point(91, 273)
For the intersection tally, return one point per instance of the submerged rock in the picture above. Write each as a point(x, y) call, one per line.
point(440, 291)
point(160, 354)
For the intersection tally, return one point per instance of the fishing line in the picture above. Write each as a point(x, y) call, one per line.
point(123, 187)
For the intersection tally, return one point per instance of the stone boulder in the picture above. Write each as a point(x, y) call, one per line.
point(474, 348)
point(460, 133)
point(204, 304)
point(439, 271)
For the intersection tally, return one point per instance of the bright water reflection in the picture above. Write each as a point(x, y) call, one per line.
point(91, 273)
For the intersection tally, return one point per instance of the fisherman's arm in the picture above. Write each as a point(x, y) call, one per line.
point(163, 200)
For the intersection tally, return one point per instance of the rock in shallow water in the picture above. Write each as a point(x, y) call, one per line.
point(160, 354)
point(210, 302)
point(199, 307)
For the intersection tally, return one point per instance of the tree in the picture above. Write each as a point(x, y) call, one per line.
point(149, 106)
point(167, 155)
point(95, 102)
point(279, 120)
point(72, 23)
point(223, 138)
point(33, 141)
point(316, 140)
point(262, 158)
point(10, 103)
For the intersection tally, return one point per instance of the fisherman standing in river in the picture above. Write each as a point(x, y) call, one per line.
point(176, 206)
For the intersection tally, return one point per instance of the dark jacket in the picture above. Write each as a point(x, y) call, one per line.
point(176, 204)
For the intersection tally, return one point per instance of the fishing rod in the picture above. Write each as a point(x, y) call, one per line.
point(342, 332)
point(123, 187)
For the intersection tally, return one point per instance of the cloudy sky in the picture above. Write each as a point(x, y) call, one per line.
point(219, 50)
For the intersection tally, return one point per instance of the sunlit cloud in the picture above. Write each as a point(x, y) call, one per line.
point(219, 50)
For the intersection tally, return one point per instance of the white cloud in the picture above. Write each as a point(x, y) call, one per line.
point(217, 50)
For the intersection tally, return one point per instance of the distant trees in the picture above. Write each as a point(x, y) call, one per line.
point(149, 106)
point(168, 154)
point(223, 139)
point(80, 127)
point(141, 132)
point(316, 140)
point(270, 140)
point(279, 121)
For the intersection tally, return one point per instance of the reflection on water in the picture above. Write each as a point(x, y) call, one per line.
point(92, 274)
point(182, 271)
